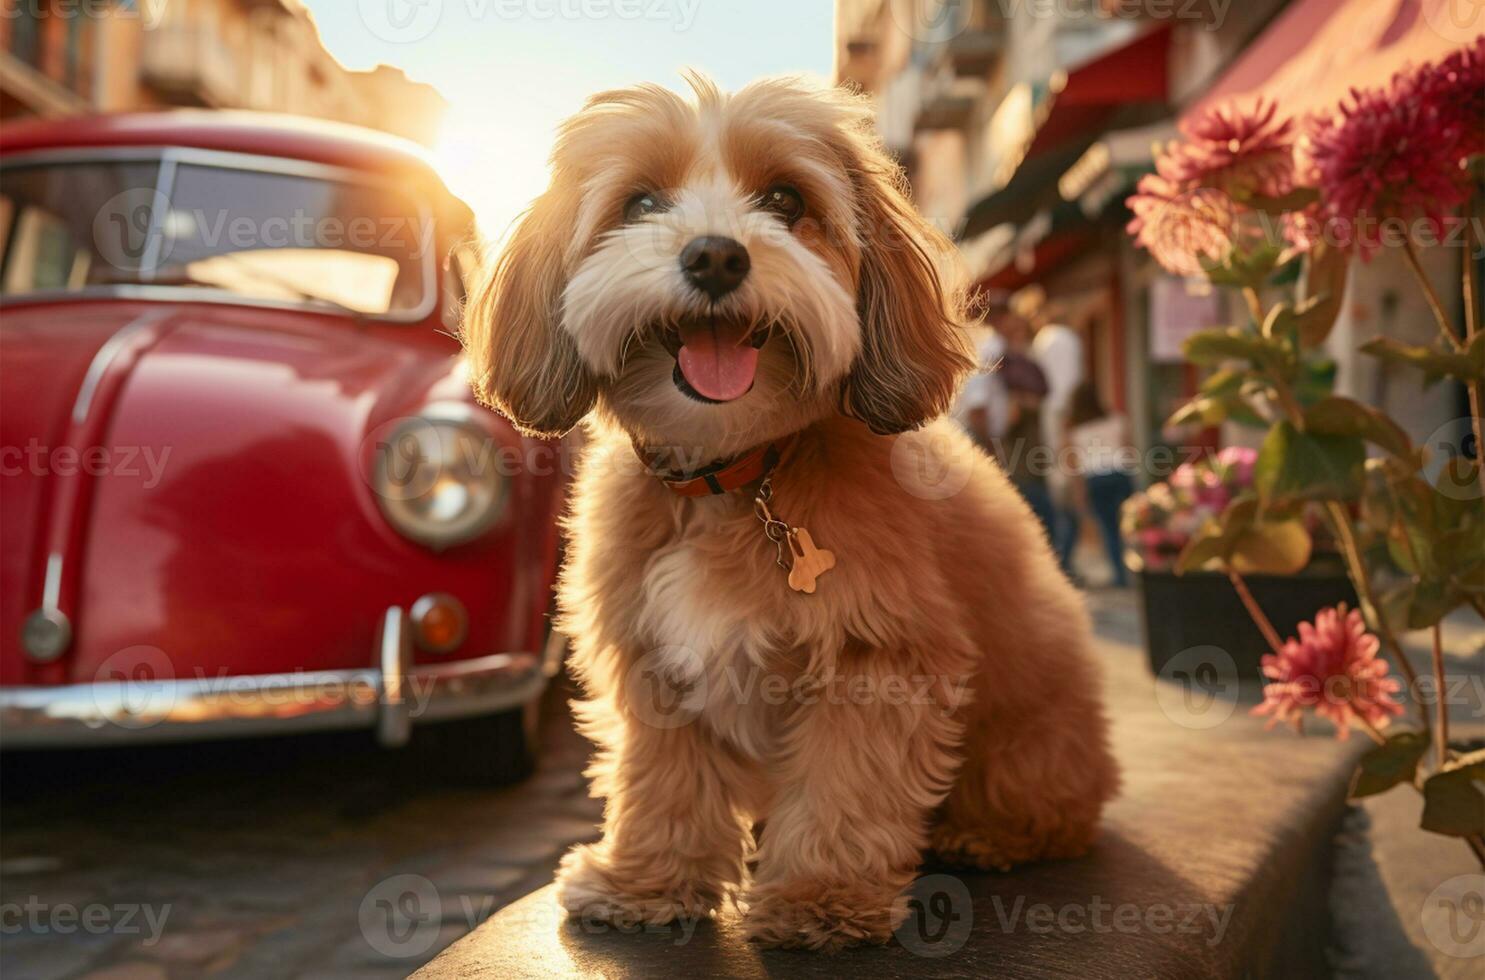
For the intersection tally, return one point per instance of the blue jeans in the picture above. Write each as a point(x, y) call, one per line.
point(1066, 522)
point(1040, 499)
point(1106, 494)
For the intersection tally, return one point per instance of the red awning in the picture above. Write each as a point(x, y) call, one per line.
point(1047, 255)
point(1087, 97)
point(1317, 50)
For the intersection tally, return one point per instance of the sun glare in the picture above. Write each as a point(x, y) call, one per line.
point(497, 176)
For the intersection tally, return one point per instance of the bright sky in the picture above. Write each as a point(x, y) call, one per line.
point(513, 69)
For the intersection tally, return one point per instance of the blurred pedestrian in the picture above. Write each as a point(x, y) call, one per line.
point(983, 406)
point(1103, 457)
point(1024, 453)
point(1058, 351)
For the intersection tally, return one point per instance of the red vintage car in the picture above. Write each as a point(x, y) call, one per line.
point(244, 488)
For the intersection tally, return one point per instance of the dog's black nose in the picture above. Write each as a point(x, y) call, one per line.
point(715, 265)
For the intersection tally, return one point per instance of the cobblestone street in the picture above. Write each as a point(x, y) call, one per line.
point(273, 858)
point(326, 857)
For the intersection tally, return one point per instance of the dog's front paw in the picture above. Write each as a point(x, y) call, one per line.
point(826, 919)
point(589, 887)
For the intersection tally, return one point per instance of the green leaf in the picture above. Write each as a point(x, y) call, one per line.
point(1336, 416)
point(1433, 363)
point(1224, 381)
point(1271, 548)
point(1204, 411)
point(1388, 765)
point(1214, 540)
point(1394, 605)
point(1324, 288)
point(1305, 466)
point(1205, 546)
point(1432, 601)
point(1454, 797)
point(1212, 347)
point(1279, 324)
point(1245, 267)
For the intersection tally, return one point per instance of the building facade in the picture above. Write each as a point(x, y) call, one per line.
point(1024, 124)
point(60, 57)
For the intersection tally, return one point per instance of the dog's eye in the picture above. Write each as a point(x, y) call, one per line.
point(642, 204)
point(785, 202)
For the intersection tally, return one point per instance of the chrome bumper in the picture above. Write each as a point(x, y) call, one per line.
point(389, 697)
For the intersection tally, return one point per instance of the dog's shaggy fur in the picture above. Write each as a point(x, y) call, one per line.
point(939, 690)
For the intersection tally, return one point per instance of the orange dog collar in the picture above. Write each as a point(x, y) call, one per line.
point(721, 476)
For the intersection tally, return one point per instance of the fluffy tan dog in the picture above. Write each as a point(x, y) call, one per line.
point(738, 280)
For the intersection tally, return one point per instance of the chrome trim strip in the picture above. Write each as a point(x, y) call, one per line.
point(394, 724)
point(225, 159)
point(154, 236)
point(104, 357)
point(51, 592)
point(230, 159)
point(164, 710)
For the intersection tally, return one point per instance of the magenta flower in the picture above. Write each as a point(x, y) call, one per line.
point(1239, 152)
point(1456, 88)
point(1332, 668)
point(1387, 156)
point(1181, 227)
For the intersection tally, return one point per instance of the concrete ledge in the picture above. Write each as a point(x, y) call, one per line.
point(1213, 863)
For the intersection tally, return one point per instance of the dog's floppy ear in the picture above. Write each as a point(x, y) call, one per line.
point(913, 349)
point(522, 363)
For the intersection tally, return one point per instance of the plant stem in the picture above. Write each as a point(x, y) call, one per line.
point(1441, 737)
point(1255, 306)
point(1370, 729)
point(1270, 635)
point(1472, 328)
point(1434, 304)
point(1341, 523)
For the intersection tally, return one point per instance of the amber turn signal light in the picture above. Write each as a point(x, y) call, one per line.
point(439, 622)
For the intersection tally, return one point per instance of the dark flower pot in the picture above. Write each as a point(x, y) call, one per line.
point(1178, 612)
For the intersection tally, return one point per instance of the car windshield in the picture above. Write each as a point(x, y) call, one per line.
point(257, 234)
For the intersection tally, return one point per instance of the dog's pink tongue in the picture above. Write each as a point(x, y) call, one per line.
point(717, 360)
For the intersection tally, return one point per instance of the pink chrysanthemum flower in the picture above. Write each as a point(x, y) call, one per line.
point(1182, 227)
point(1455, 87)
point(1332, 668)
point(1239, 152)
point(1387, 157)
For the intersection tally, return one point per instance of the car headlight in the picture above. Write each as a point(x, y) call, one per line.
point(437, 479)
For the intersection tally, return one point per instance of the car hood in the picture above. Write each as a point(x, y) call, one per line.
point(229, 422)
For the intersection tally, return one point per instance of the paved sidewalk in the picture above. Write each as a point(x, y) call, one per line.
point(306, 857)
point(316, 857)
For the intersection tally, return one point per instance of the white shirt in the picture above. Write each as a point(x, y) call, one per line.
point(1101, 446)
point(1058, 351)
point(985, 389)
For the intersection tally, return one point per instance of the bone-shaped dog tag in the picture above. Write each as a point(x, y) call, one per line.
point(809, 562)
